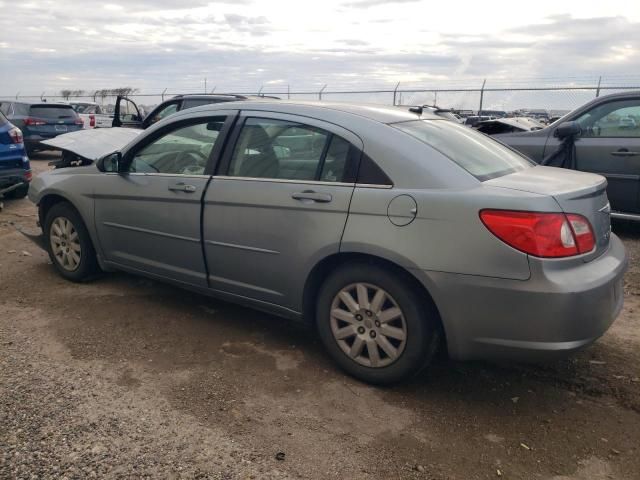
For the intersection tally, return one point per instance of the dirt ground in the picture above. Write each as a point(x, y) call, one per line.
point(128, 378)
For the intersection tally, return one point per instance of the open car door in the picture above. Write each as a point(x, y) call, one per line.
point(126, 114)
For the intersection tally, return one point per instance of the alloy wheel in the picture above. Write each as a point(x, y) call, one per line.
point(65, 243)
point(368, 325)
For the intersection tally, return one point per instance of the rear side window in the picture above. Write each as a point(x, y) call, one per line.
point(44, 111)
point(3, 119)
point(481, 156)
point(4, 108)
point(269, 148)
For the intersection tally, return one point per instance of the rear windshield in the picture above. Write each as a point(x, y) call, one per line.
point(481, 156)
point(44, 111)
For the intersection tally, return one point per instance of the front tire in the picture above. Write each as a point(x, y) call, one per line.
point(69, 244)
point(376, 324)
point(18, 193)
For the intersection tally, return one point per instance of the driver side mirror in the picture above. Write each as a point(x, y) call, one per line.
point(567, 129)
point(111, 163)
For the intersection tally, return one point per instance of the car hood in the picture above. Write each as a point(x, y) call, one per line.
point(95, 143)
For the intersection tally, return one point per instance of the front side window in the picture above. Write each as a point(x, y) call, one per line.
point(481, 156)
point(278, 149)
point(613, 119)
point(184, 151)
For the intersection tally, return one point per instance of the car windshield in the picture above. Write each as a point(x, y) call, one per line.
point(481, 156)
point(45, 111)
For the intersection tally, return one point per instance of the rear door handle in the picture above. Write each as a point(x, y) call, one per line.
point(182, 187)
point(623, 152)
point(312, 196)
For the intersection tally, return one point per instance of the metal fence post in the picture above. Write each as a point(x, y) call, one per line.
point(18, 93)
point(395, 93)
point(598, 87)
point(484, 82)
point(288, 92)
point(320, 92)
point(163, 92)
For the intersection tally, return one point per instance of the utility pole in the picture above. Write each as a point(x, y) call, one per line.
point(482, 95)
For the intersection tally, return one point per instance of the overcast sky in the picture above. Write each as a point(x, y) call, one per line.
point(243, 44)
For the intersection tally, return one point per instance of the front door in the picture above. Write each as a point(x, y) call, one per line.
point(148, 219)
point(610, 145)
point(278, 204)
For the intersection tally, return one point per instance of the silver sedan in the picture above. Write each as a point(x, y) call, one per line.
point(392, 232)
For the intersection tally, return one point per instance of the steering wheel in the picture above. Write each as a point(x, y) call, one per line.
point(187, 160)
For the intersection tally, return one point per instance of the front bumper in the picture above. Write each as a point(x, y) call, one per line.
point(565, 305)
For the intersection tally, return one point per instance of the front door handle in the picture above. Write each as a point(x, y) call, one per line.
point(312, 196)
point(182, 187)
point(623, 152)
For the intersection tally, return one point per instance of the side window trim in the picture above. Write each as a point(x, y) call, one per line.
point(323, 157)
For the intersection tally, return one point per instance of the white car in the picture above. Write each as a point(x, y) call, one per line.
point(92, 115)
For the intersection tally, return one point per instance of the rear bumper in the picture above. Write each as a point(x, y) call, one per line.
point(12, 177)
point(564, 306)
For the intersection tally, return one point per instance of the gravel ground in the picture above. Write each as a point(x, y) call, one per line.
point(128, 378)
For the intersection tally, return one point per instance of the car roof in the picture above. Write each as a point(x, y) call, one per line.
point(378, 113)
point(207, 96)
point(44, 104)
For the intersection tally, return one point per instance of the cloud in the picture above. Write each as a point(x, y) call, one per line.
point(152, 45)
point(374, 3)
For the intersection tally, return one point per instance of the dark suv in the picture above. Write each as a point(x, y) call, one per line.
point(40, 121)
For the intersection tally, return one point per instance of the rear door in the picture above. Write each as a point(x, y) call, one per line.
point(278, 204)
point(610, 145)
point(148, 219)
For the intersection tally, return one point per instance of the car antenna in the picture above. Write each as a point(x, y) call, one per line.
point(417, 110)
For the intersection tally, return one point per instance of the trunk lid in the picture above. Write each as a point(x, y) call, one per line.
point(575, 192)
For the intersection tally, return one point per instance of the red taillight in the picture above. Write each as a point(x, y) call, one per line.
point(92, 121)
point(16, 135)
point(550, 235)
point(34, 122)
point(28, 176)
point(78, 121)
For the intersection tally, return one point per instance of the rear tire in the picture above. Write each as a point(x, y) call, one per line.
point(69, 244)
point(19, 192)
point(376, 324)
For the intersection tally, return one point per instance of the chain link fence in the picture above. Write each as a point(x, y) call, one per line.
point(555, 95)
